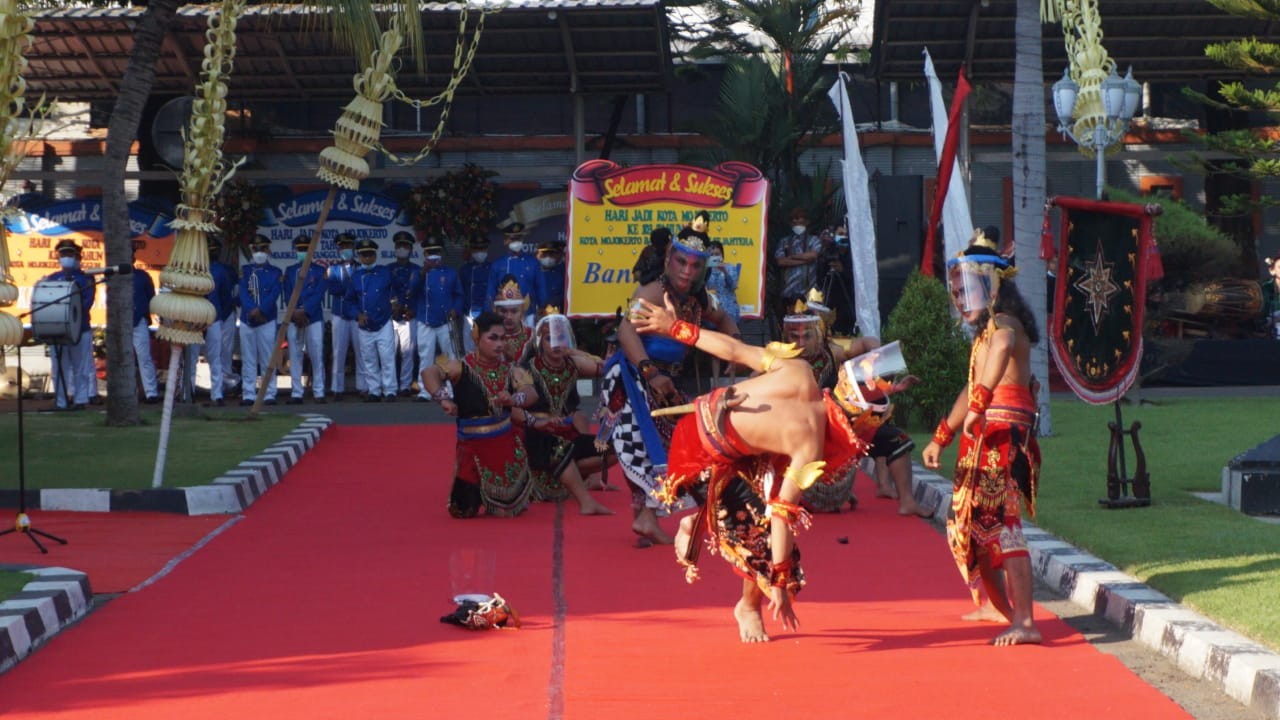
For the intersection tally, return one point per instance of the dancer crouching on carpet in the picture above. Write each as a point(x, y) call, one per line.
point(562, 453)
point(491, 468)
point(747, 452)
point(640, 377)
point(998, 465)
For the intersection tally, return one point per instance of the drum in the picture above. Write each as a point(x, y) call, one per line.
point(55, 315)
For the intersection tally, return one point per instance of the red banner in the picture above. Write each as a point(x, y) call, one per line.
point(945, 166)
point(736, 184)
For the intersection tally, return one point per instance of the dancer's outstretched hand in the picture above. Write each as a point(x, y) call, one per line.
point(652, 319)
point(780, 604)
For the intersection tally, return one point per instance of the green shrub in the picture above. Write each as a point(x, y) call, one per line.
point(935, 348)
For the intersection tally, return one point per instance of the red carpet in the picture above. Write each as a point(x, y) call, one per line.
point(324, 603)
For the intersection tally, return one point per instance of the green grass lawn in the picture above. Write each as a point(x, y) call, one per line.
point(1206, 556)
point(78, 450)
point(12, 582)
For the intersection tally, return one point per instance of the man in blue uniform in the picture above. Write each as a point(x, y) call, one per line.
point(143, 290)
point(343, 316)
point(523, 267)
point(474, 277)
point(373, 295)
point(219, 338)
point(74, 379)
point(437, 302)
point(260, 287)
point(551, 262)
point(404, 271)
point(306, 327)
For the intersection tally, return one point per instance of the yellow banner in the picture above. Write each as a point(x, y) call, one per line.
point(613, 209)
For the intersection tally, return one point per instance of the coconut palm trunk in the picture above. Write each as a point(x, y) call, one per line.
point(1029, 185)
point(122, 130)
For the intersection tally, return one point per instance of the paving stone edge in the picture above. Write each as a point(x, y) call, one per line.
point(55, 598)
point(1240, 667)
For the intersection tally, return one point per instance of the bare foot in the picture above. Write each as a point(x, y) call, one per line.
point(684, 535)
point(1017, 636)
point(750, 622)
point(651, 531)
point(986, 613)
point(592, 507)
point(909, 506)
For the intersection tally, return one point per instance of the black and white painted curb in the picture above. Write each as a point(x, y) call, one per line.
point(1240, 667)
point(55, 598)
point(230, 493)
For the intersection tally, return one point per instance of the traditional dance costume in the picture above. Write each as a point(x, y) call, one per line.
point(552, 448)
point(491, 468)
point(996, 478)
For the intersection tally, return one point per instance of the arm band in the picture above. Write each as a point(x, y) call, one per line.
point(685, 332)
point(518, 399)
point(943, 434)
point(979, 398)
point(647, 369)
point(780, 574)
point(796, 517)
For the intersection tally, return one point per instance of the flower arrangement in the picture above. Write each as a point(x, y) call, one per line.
point(456, 205)
point(238, 211)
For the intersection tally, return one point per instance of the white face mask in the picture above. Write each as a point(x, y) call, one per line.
point(346, 254)
point(547, 262)
point(479, 256)
point(797, 229)
point(259, 258)
point(516, 247)
point(434, 258)
point(403, 253)
point(68, 262)
point(715, 261)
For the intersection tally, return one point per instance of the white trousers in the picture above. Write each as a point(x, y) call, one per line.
point(142, 354)
point(405, 332)
point(214, 353)
point(229, 333)
point(378, 354)
point(428, 339)
point(74, 379)
point(312, 342)
point(344, 335)
point(255, 355)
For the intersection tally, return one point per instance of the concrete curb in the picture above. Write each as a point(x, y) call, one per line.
point(1238, 666)
point(230, 493)
point(56, 598)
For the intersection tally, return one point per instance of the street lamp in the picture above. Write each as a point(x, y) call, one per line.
point(1106, 109)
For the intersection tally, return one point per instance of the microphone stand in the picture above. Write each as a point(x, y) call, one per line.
point(22, 523)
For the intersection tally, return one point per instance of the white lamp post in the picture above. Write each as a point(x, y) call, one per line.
point(1095, 131)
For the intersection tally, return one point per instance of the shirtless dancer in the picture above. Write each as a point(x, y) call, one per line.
point(747, 452)
point(996, 414)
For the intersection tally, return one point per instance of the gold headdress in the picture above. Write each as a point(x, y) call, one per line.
point(981, 240)
point(509, 295)
point(810, 310)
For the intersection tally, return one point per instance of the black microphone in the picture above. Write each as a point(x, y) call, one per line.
point(122, 269)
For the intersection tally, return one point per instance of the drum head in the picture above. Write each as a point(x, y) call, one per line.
point(56, 312)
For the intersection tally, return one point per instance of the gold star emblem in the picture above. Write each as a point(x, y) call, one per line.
point(1097, 286)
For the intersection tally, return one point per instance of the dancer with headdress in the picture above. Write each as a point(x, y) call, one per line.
point(746, 453)
point(562, 452)
point(512, 305)
point(998, 464)
point(491, 468)
point(808, 327)
point(640, 377)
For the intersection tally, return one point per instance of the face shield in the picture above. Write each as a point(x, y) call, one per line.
point(972, 281)
point(558, 331)
point(867, 380)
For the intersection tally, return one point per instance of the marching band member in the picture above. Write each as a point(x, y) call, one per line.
point(372, 294)
point(260, 286)
point(75, 381)
point(306, 327)
point(436, 298)
point(403, 321)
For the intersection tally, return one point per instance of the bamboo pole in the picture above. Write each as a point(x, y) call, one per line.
point(166, 417)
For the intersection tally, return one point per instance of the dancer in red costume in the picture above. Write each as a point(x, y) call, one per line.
point(998, 465)
point(746, 453)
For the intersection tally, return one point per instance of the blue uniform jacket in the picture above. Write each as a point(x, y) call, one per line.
point(474, 277)
point(87, 287)
point(370, 293)
point(339, 276)
point(405, 275)
point(311, 301)
point(224, 291)
point(434, 294)
point(553, 286)
point(260, 287)
point(528, 274)
point(143, 291)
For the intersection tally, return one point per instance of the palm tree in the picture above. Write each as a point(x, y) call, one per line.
point(1029, 184)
